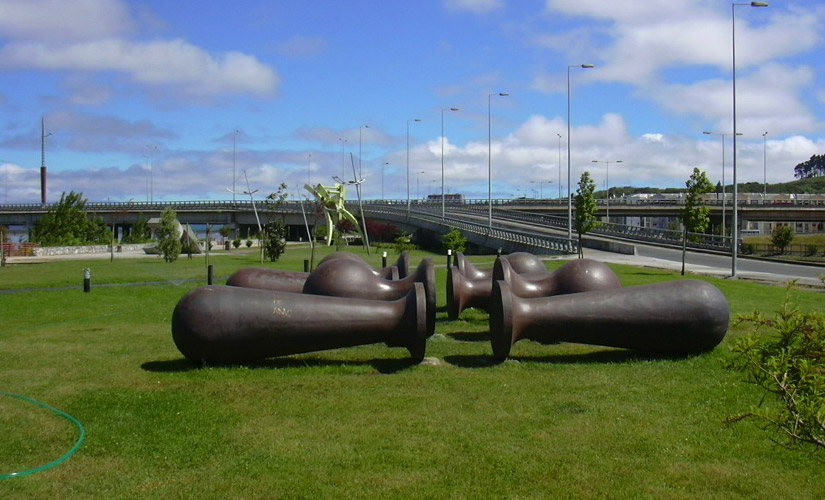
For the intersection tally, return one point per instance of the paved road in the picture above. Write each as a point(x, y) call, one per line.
point(715, 265)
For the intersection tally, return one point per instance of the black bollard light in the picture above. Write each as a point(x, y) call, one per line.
point(87, 280)
point(210, 274)
point(449, 257)
point(384, 259)
point(306, 265)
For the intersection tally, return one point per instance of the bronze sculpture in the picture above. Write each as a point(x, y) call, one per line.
point(575, 276)
point(345, 277)
point(468, 286)
point(686, 316)
point(293, 281)
point(222, 324)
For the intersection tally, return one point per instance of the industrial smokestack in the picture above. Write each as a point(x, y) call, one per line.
point(43, 136)
point(43, 185)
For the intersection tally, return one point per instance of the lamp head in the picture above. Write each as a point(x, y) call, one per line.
point(587, 66)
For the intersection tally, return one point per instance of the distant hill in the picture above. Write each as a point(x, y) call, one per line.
point(811, 185)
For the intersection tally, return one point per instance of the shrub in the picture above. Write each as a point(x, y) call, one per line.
point(248, 243)
point(170, 230)
point(789, 364)
point(236, 242)
point(403, 242)
point(782, 237)
point(455, 241)
point(273, 240)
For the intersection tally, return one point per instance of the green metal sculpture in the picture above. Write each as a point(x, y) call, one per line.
point(332, 199)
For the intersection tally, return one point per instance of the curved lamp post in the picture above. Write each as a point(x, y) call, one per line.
point(490, 160)
point(408, 159)
point(442, 157)
point(607, 186)
point(735, 230)
point(569, 192)
point(724, 196)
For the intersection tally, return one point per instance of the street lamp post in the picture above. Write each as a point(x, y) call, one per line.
point(382, 178)
point(765, 165)
point(490, 160)
point(541, 192)
point(408, 160)
point(607, 185)
point(234, 176)
point(724, 196)
point(151, 182)
point(442, 158)
point(343, 170)
point(735, 229)
point(360, 174)
point(559, 166)
point(417, 177)
point(43, 136)
point(569, 192)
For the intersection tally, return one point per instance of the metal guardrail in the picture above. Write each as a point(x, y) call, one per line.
point(157, 206)
point(549, 242)
point(624, 231)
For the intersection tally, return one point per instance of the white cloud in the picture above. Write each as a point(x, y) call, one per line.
point(59, 21)
point(93, 37)
point(167, 63)
point(475, 6)
point(768, 99)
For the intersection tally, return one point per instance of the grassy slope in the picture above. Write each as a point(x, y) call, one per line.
point(561, 421)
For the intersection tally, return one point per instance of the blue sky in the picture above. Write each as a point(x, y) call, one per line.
point(125, 84)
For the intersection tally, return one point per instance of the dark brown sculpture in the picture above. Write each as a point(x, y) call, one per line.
point(468, 286)
point(686, 316)
point(293, 281)
point(224, 324)
point(351, 278)
point(400, 270)
point(575, 276)
point(265, 278)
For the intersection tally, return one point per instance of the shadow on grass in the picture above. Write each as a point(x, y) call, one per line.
point(601, 357)
point(384, 366)
point(598, 357)
point(470, 336)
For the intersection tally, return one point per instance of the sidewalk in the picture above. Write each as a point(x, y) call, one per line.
point(635, 260)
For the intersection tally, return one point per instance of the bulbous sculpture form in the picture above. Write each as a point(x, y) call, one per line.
point(682, 317)
point(400, 270)
point(468, 286)
point(223, 324)
point(575, 276)
point(352, 278)
point(266, 278)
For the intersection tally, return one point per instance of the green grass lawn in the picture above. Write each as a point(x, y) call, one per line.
point(557, 421)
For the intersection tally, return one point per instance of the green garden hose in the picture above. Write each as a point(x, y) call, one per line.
point(60, 460)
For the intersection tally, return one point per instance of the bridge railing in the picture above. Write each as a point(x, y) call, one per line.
point(560, 244)
point(637, 233)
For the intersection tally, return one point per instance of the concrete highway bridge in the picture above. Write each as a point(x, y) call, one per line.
point(535, 225)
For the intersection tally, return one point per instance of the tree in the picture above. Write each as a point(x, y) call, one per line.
point(455, 241)
point(141, 233)
point(170, 233)
point(274, 231)
point(787, 363)
point(782, 237)
point(585, 208)
point(67, 224)
point(814, 167)
point(695, 216)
